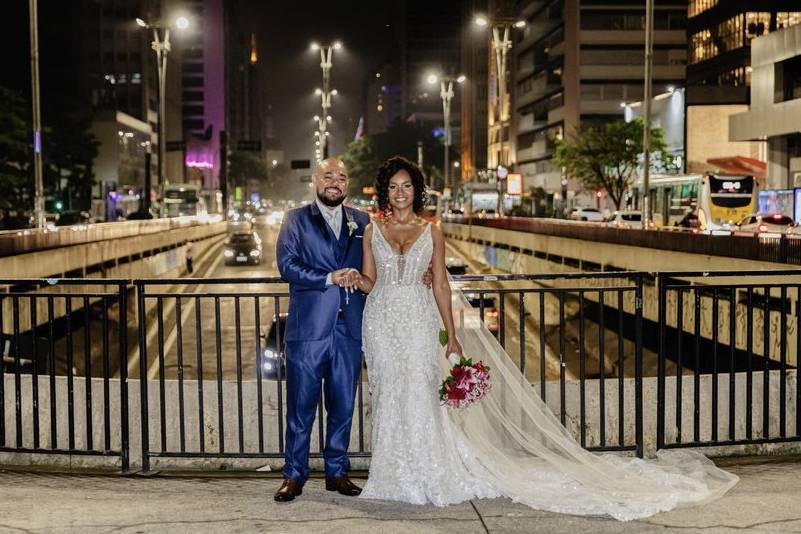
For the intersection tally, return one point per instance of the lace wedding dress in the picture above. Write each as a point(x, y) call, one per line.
point(510, 444)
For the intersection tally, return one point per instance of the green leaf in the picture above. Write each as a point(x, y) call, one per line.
point(443, 337)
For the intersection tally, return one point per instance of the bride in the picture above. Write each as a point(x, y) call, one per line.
point(509, 444)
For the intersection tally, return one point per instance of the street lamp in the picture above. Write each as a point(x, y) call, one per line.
point(38, 181)
point(501, 44)
point(446, 93)
point(325, 93)
point(161, 46)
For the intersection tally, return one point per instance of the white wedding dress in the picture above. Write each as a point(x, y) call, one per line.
point(509, 444)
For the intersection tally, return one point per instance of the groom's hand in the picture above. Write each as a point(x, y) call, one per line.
point(428, 276)
point(340, 277)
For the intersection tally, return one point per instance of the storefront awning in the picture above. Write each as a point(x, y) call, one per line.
point(740, 165)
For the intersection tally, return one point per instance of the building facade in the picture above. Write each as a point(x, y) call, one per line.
point(775, 109)
point(202, 94)
point(578, 63)
point(719, 72)
point(474, 92)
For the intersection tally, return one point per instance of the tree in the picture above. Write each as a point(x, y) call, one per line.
point(69, 150)
point(244, 166)
point(69, 153)
point(363, 157)
point(607, 157)
point(362, 164)
point(16, 186)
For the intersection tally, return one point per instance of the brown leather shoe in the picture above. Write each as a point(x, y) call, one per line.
point(289, 490)
point(342, 485)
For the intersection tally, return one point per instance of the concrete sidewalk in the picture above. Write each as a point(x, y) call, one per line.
point(768, 499)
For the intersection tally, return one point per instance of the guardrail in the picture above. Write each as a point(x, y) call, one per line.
point(781, 249)
point(13, 242)
point(208, 361)
point(742, 405)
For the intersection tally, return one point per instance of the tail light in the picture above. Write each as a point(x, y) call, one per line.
point(491, 319)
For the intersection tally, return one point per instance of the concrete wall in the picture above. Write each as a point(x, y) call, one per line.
point(213, 434)
point(106, 247)
point(168, 264)
point(617, 257)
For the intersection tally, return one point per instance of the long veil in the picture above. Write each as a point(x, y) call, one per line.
point(516, 439)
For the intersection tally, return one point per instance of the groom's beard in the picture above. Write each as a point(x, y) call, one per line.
point(331, 203)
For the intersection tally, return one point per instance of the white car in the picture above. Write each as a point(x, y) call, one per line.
point(586, 214)
point(625, 219)
point(765, 223)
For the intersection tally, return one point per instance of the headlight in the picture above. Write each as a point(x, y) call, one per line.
point(255, 253)
point(228, 253)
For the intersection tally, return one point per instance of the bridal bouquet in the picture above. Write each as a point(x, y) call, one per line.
point(466, 384)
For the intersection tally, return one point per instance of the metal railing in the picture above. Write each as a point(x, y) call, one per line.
point(50, 323)
point(776, 249)
point(207, 354)
point(737, 337)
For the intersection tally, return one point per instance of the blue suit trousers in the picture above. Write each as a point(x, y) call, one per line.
point(331, 365)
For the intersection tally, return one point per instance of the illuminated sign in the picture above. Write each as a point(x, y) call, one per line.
point(731, 186)
point(514, 184)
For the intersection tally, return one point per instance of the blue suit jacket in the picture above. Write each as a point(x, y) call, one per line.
point(306, 252)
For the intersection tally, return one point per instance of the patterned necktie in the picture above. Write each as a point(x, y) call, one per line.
point(332, 216)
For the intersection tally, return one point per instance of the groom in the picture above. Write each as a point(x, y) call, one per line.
point(317, 246)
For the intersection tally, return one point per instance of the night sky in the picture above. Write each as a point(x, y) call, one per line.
point(284, 30)
point(369, 33)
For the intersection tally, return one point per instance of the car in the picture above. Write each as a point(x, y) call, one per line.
point(16, 222)
point(139, 215)
point(273, 357)
point(275, 217)
point(765, 223)
point(625, 219)
point(455, 266)
point(243, 248)
point(586, 214)
point(260, 217)
point(486, 214)
point(690, 220)
point(490, 310)
point(453, 214)
point(73, 218)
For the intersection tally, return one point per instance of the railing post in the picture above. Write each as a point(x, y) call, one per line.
point(638, 397)
point(125, 443)
point(143, 399)
point(660, 392)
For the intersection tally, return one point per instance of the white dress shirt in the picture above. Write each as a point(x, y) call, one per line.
point(332, 216)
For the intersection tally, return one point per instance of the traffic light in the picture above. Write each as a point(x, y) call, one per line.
point(59, 205)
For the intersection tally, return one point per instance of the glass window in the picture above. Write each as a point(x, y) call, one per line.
point(756, 24)
point(701, 46)
point(787, 19)
point(699, 6)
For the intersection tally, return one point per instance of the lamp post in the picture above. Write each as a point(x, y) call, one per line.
point(501, 44)
point(38, 200)
point(446, 93)
point(325, 94)
point(646, 132)
point(161, 46)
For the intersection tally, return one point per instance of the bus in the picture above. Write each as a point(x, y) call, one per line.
point(179, 200)
point(719, 200)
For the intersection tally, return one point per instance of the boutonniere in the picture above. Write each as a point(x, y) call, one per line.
point(352, 227)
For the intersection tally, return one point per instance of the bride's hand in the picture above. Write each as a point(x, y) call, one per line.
point(452, 347)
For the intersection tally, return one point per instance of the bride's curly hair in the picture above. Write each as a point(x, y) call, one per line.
point(389, 168)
